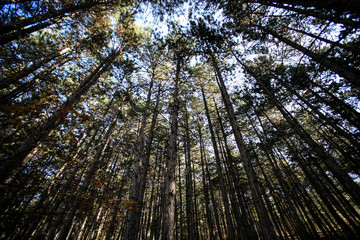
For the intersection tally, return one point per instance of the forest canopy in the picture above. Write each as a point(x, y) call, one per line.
point(159, 119)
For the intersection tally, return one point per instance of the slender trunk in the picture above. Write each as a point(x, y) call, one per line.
point(169, 181)
point(190, 221)
point(229, 223)
point(111, 229)
point(328, 120)
point(347, 112)
point(314, 181)
point(245, 227)
point(156, 217)
point(332, 43)
point(283, 227)
point(196, 208)
point(6, 38)
point(339, 6)
point(265, 222)
point(137, 193)
point(153, 195)
point(31, 145)
point(321, 187)
point(205, 186)
point(350, 74)
point(317, 14)
point(300, 227)
point(216, 208)
point(5, 81)
point(345, 180)
point(87, 181)
point(180, 214)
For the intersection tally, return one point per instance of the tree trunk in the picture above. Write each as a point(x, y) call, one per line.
point(300, 227)
point(332, 43)
point(229, 222)
point(87, 181)
point(245, 228)
point(140, 173)
point(313, 13)
point(205, 187)
point(30, 146)
point(190, 220)
point(169, 181)
point(345, 180)
point(265, 222)
point(350, 74)
point(347, 112)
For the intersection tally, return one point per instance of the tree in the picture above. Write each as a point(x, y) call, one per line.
point(169, 178)
point(143, 153)
point(30, 145)
point(19, 27)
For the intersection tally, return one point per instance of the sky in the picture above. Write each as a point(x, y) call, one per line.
point(147, 19)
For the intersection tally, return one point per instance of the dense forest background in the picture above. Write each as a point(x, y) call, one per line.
point(223, 119)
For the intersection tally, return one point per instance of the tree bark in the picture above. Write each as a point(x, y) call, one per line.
point(190, 220)
point(265, 222)
point(141, 169)
point(169, 181)
point(229, 222)
point(205, 186)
